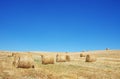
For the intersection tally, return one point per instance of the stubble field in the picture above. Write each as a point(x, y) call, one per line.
point(107, 66)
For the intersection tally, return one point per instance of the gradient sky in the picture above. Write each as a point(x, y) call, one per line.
point(59, 25)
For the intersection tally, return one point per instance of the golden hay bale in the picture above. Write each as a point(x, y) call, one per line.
point(60, 58)
point(47, 59)
point(82, 55)
point(90, 58)
point(67, 58)
point(23, 61)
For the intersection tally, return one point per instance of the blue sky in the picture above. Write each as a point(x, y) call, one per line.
point(59, 25)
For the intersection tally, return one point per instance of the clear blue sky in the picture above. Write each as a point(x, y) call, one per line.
point(59, 25)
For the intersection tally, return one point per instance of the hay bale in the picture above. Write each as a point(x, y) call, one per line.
point(23, 61)
point(82, 55)
point(60, 58)
point(90, 58)
point(67, 58)
point(46, 59)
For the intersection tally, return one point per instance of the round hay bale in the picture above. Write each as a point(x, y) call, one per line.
point(60, 58)
point(90, 58)
point(67, 58)
point(47, 59)
point(82, 55)
point(23, 61)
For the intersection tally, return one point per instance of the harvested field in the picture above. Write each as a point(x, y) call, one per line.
point(107, 66)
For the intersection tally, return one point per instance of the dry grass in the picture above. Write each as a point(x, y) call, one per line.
point(107, 66)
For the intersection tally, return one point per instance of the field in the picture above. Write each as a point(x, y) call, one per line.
point(107, 66)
